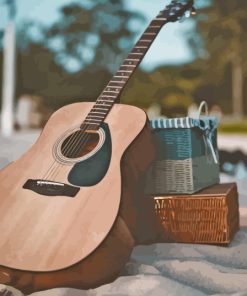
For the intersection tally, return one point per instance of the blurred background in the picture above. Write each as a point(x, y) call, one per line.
point(53, 53)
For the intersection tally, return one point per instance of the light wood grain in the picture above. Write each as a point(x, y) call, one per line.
point(41, 233)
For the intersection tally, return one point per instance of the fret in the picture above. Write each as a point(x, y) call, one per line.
point(100, 105)
point(109, 89)
point(135, 60)
point(145, 40)
point(149, 34)
point(91, 122)
point(123, 80)
point(118, 81)
point(100, 100)
point(96, 116)
point(129, 65)
point(104, 101)
point(121, 76)
point(104, 95)
point(97, 108)
point(113, 84)
point(117, 86)
point(161, 19)
point(95, 119)
point(112, 91)
point(108, 96)
point(139, 53)
point(103, 105)
point(141, 47)
point(98, 112)
point(127, 71)
point(108, 107)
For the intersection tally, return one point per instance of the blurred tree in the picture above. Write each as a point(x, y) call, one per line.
point(74, 59)
point(220, 39)
point(93, 35)
point(171, 87)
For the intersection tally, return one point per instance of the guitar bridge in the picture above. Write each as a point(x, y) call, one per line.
point(51, 188)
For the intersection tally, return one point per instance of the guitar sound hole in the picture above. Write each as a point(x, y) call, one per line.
point(79, 144)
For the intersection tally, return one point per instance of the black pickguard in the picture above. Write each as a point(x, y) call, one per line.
point(92, 170)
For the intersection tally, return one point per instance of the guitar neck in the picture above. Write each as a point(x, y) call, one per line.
point(112, 91)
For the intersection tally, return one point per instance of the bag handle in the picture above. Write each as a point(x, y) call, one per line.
point(204, 105)
point(207, 132)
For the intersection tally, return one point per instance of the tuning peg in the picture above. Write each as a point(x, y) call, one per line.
point(190, 12)
point(193, 11)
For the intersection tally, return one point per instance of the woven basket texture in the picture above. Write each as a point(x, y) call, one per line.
point(212, 216)
point(183, 164)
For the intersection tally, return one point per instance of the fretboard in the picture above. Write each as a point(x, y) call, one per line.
point(112, 91)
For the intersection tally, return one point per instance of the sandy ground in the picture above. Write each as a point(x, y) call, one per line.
point(163, 269)
point(232, 142)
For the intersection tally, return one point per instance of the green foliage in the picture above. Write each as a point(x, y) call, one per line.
point(233, 128)
point(169, 87)
point(220, 41)
point(220, 34)
point(95, 35)
point(92, 38)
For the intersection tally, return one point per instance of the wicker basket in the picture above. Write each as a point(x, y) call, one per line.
point(210, 216)
point(187, 156)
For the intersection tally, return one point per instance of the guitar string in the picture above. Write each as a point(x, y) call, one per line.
point(56, 171)
point(84, 138)
point(140, 40)
point(76, 148)
point(76, 139)
point(51, 168)
point(56, 167)
point(67, 146)
point(78, 14)
point(70, 142)
point(80, 138)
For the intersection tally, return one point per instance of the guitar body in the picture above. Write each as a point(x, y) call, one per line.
point(50, 240)
point(72, 208)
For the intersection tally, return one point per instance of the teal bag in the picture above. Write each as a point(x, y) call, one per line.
point(187, 155)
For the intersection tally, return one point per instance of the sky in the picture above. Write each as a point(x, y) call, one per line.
point(170, 47)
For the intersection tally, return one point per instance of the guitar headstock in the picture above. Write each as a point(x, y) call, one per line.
point(176, 10)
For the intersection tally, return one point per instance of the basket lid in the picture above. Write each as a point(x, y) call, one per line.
point(205, 122)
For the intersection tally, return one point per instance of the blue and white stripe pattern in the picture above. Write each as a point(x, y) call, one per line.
point(186, 122)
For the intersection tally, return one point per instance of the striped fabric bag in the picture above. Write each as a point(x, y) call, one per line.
point(187, 155)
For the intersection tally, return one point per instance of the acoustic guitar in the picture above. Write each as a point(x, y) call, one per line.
point(68, 206)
